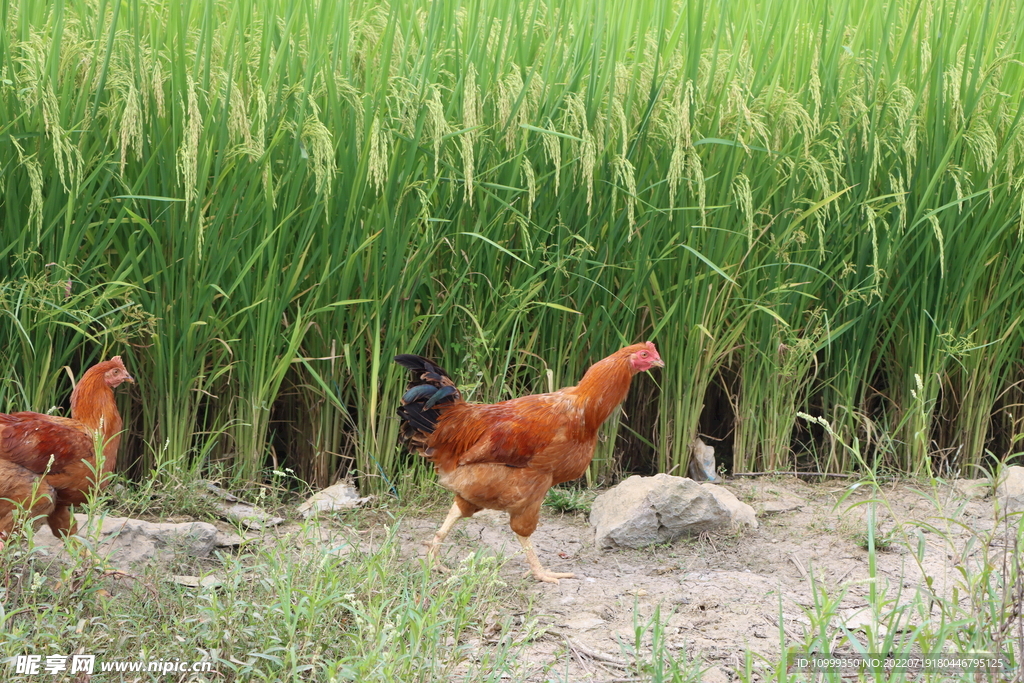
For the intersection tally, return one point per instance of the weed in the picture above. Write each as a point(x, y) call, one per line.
point(570, 500)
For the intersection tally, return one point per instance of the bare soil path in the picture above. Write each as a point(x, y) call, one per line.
point(721, 597)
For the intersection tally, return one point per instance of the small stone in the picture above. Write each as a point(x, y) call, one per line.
point(208, 581)
point(340, 496)
point(190, 581)
point(714, 675)
point(249, 516)
point(702, 462)
point(862, 620)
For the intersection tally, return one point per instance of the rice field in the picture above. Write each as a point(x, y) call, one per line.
point(810, 207)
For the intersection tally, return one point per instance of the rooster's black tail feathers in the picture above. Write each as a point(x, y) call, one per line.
point(430, 391)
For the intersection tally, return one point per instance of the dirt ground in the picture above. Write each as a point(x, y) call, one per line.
point(720, 596)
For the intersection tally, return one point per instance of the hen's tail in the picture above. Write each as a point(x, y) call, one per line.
point(430, 391)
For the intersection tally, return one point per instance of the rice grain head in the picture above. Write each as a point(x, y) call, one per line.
point(188, 151)
point(320, 142)
point(470, 121)
point(585, 151)
point(870, 217)
point(531, 185)
point(131, 125)
point(625, 175)
point(682, 146)
point(239, 127)
point(35, 179)
point(437, 127)
point(553, 151)
point(937, 229)
point(744, 199)
point(156, 84)
point(379, 152)
point(66, 155)
point(509, 90)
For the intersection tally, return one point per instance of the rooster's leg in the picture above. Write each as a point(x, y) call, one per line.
point(460, 508)
point(454, 515)
point(536, 567)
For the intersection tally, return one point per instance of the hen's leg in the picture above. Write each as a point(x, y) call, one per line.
point(536, 567)
point(61, 522)
point(460, 508)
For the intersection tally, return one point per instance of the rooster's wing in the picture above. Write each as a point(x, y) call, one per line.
point(532, 431)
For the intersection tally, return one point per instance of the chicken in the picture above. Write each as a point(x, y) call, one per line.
point(505, 456)
point(47, 463)
point(21, 488)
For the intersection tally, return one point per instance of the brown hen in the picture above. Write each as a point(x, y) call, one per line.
point(505, 456)
point(47, 463)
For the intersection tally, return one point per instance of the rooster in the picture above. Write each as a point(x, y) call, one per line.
point(48, 463)
point(505, 456)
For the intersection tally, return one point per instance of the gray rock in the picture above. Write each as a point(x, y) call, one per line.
point(227, 539)
point(249, 516)
point(233, 510)
point(702, 462)
point(740, 514)
point(126, 542)
point(643, 511)
point(341, 496)
point(219, 492)
point(1010, 489)
point(974, 489)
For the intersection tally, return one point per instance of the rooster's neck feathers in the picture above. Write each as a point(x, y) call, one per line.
point(603, 388)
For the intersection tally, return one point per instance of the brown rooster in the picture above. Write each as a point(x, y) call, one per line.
point(47, 463)
point(505, 456)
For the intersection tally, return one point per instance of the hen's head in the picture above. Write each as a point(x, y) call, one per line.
point(643, 357)
point(113, 371)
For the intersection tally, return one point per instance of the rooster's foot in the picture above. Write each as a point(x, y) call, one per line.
point(536, 568)
point(433, 557)
point(548, 577)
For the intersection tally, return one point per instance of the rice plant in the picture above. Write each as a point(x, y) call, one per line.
point(811, 206)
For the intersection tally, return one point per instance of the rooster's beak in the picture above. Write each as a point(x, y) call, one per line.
point(129, 378)
point(657, 363)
